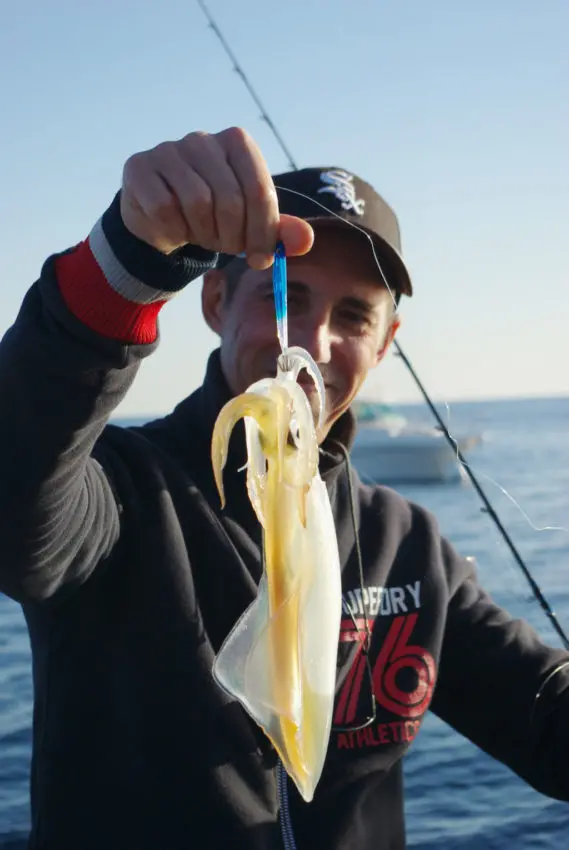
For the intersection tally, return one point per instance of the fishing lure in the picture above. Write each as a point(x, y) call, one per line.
point(280, 293)
point(279, 660)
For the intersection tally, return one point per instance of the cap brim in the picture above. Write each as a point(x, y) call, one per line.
point(391, 264)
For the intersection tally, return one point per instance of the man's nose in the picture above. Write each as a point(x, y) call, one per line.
point(315, 337)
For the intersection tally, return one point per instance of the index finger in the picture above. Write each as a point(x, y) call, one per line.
point(261, 203)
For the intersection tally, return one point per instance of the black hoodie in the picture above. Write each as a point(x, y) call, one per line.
point(130, 577)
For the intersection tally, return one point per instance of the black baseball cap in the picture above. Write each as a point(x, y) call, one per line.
point(332, 195)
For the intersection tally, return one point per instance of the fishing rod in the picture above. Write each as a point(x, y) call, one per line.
point(488, 508)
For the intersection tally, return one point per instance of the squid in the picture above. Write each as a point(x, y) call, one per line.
point(279, 660)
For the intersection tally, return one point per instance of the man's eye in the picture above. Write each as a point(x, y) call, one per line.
point(295, 299)
point(354, 318)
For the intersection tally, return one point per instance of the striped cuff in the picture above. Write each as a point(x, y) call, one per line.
point(116, 284)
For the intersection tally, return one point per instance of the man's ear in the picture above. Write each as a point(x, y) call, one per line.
point(214, 295)
point(389, 337)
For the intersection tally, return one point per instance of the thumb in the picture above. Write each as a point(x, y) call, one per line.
point(296, 234)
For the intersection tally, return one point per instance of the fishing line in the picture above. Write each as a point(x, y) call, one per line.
point(487, 506)
point(453, 442)
point(509, 496)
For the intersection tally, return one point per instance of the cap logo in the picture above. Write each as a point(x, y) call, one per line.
point(341, 184)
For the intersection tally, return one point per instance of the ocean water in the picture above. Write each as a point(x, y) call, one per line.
point(456, 796)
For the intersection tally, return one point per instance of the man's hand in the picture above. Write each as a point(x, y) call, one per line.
point(214, 191)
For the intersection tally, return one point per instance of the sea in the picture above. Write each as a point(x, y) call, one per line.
point(457, 797)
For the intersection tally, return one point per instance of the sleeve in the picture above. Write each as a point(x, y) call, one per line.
point(65, 364)
point(501, 687)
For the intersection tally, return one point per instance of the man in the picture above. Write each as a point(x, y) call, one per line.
point(130, 575)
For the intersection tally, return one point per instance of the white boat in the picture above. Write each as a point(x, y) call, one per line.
point(388, 449)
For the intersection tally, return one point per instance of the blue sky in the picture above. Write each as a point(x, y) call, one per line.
point(456, 112)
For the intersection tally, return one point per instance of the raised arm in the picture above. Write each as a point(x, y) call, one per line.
point(65, 364)
point(83, 328)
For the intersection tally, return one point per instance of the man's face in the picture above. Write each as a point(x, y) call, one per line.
point(337, 310)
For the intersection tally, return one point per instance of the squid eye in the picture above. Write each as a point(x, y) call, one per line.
point(294, 434)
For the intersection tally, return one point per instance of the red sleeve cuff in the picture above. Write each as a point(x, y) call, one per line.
point(116, 284)
point(95, 302)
